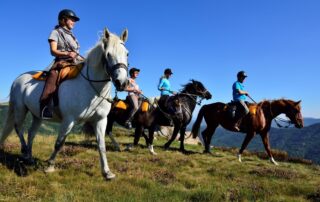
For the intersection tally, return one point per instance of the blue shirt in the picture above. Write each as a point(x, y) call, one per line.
point(236, 95)
point(165, 84)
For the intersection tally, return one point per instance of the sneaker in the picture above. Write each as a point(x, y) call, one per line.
point(128, 125)
point(46, 113)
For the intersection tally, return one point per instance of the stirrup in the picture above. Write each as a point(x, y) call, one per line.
point(46, 113)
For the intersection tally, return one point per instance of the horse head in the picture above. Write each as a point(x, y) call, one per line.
point(198, 89)
point(293, 112)
point(115, 56)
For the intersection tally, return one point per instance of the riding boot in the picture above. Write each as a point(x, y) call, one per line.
point(236, 125)
point(128, 124)
point(48, 90)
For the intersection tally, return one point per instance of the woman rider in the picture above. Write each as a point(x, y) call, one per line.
point(65, 47)
point(133, 95)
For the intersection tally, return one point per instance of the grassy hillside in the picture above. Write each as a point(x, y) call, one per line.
point(169, 176)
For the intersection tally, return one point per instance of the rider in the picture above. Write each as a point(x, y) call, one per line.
point(164, 85)
point(239, 97)
point(133, 95)
point(65, 47)
point(165, 89)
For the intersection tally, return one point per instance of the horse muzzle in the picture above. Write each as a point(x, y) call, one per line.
point(121, 86)
point(208, 95)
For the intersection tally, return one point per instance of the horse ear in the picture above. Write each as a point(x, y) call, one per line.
point(124, 35)
point(297, 103)
point(106, 33)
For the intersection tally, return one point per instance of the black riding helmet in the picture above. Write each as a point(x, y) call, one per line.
point(66, 13)
point(168, 71)
point(132, 70)
point(242, 74)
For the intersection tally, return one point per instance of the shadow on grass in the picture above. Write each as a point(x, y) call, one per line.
point(18, 165)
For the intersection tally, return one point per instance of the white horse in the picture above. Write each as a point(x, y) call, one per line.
point(84, 98)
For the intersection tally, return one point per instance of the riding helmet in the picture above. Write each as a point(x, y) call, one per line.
point(242, 74)
point(66, 13)
point(132, 70)
point(168, 71)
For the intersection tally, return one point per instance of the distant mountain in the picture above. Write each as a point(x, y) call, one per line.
point(304, 143)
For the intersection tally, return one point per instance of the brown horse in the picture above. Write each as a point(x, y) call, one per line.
point(257, 121)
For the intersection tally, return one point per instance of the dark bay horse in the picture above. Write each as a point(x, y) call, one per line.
point(257, 121)
point(158, 115)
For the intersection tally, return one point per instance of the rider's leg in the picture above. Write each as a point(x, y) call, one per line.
point(134, 106)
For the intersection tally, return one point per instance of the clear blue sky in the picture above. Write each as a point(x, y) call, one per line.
point(276, 42)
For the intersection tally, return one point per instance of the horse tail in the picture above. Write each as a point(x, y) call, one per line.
point(197, 123)
point(8, 124)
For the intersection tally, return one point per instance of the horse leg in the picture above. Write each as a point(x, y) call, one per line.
point(173, 137)
point(36, 122)
point(182, 134)
point(207, 136)
point(266, 143)
point(65, 128)
point(100, 135)
point(18, 126)
point(245, 143)
point(109, 133)
point(151, 137)
point(137, 134)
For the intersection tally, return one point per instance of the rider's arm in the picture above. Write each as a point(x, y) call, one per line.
point(160, 86)
point(57, 53)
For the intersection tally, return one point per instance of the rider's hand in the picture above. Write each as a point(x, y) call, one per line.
point(72, 54)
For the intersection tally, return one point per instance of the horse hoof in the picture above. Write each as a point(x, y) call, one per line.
point(153, 153)
point(109, 175)
point(207, 152)
point(50, 169)
point(239, 158)
point(274, 162)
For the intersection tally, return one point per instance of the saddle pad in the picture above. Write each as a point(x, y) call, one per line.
point(68, 72)
point(253, 109)
point(121, 105)
point(144, 106)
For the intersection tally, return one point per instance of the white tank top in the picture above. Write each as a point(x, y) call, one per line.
point(133, 85)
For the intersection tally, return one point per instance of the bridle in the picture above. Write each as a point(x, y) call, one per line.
point(195, 96)
point(108, 70)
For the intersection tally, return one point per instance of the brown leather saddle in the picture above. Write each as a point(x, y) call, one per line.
point(231, 108)
point(68, 71)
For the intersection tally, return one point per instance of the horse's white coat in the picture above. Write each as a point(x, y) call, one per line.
point(78, 99)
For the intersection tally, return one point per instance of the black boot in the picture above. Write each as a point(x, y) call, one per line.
point(128, 124)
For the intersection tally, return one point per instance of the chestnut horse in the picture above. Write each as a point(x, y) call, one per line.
point(257, 121)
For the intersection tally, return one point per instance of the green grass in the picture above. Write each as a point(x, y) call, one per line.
point(169, 176)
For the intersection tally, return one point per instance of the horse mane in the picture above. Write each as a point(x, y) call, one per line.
point(96, 51)
point(189, 86)
point(281, 101)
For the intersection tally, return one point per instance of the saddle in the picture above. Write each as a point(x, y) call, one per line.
point(69, 71)
point(231, 107)
point(123, 104)
point(169, 104)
